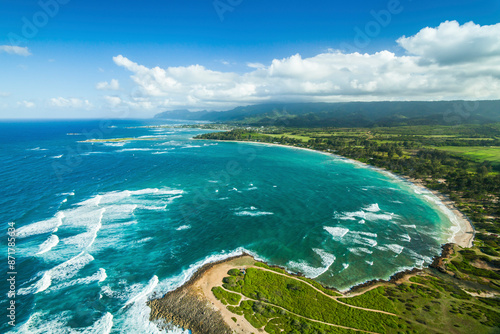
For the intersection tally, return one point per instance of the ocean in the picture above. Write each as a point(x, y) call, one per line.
point(102, 227)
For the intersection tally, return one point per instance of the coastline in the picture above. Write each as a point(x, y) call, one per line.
point(465, 235)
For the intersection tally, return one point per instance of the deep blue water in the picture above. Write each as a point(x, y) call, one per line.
point(102, 227)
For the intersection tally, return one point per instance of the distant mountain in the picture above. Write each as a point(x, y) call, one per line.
point(351, 114)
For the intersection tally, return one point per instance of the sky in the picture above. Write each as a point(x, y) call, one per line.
point(92, 59)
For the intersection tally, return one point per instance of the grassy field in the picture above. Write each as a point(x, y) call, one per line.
point(283, 303)
point(477, 154)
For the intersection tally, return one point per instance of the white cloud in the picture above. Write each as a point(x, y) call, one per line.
point(16, 50)
point(112, 85)
point(5, 94)
point(134, 103)
point(438, 66)
point(452, 43)
point(256, 65)
point(62, 102)
point(26, 104)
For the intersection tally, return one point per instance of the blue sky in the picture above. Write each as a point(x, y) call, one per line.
point(98, 59)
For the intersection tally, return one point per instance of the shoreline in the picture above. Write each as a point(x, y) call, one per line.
point(464, 237)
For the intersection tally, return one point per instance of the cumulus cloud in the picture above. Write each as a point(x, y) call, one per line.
point(451, 61)
point(15, 50)
point(62, 102)
point(112, 85)
point(26, 104)
point(452, 43)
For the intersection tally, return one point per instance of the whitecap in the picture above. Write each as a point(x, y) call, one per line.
point(183, 227)
point(61, 272)
point(153, 282)
point(41, 227)
point(48, 244)
point(372, 208)
point(101, 326)
point(395, 248)
point(336, 232)
point(405, 237)
point(253, 213)
point(327, 260)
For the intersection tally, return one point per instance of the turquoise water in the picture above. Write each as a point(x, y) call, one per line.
point(104, 227)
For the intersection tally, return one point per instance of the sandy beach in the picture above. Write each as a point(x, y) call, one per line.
point(464, 236)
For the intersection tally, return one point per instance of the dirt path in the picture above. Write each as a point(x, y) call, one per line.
point(327, 295)
point(301, 316)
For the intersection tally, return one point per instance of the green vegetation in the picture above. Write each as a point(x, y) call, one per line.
point(350, 114)
point(226, 297)
point(374, 299)
point(439, 304)
point(426, 304)
point(272, 296)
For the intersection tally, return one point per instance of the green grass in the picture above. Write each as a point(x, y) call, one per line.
point(302, 299)
point(374, 299)
point(476, 153)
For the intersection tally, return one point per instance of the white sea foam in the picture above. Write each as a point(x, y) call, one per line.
point(48, 244)
point(369, 263)
point(153, 282)
point(360, 251)
point(144, 240)
point(101, 326)
point(367, 234)
point(61, 272)
point(41, 227)
point(42, 323)
point(360, 240)
point(253, 213)
point(395, 248)
point(410, 226)
point(327, 260)
point(365, 250)
point(362, 221)
point(135, 150)
point(41, 285)
point(405, 237)
point(372, 208)
point(191, 146)
point(183, 227)
point(57, 156)
point(99, 276)
point(336, 232)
